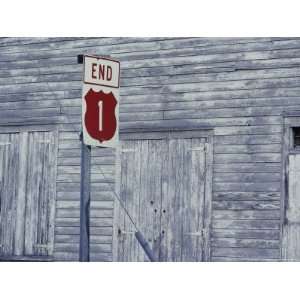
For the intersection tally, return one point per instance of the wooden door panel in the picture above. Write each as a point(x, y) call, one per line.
point(158, 154)
point(127, 194)
point(162, 184)
point(27, 189)
point(152, 156)
point(194, 204)
point(291, 230)
point(140, 190)
point(172, 202)
point(291, 242)
point(21, 194)
point(183, 221)
point(9, 183)
point(31, 195)
point(40, 194)
point(142, 218)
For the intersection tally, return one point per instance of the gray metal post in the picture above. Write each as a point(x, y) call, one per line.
point(85, 180)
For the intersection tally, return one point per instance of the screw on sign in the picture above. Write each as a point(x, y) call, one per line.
point(100, 109)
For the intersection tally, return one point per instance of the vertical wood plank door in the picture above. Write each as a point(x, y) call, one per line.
point(291, 228)
point(9, 164)
point(163, 183)
point(27, 190)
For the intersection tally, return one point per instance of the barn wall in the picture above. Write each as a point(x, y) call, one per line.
point(239, 87)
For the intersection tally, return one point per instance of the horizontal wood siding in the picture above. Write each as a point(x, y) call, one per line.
point(238, 86)
point(68, 200)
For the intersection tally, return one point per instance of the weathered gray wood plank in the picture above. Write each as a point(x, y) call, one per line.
point(21, 195)
point(247, 187)
point(245, 224)
point(246, 196)
point(245, 243)
point(241, 205)
point(291, 229)
point(246, 214)
point(247, 177)
point(247, 253)
point(196, 68)
point(155, 75)
point(94, 239)
point(96, 222)
point(180, 56)
point(265, 234)
point(74, 230)
point(261, 167)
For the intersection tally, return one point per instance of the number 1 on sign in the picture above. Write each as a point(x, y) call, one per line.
point(100, 104)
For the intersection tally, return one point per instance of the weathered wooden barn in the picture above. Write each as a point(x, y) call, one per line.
point(208, 159)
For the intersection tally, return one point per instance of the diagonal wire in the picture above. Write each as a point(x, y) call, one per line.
point(119, 199)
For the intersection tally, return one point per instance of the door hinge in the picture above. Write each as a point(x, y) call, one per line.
point(42, 246)
point(202, 232)
point(120, 231)
point(197, 233)
point(45, 142)
point(127, 150)
point(200, 148)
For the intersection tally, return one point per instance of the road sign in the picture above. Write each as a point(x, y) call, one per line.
point(100, 101)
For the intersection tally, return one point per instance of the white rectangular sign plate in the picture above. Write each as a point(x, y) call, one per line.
point(101, 71)
point(100, 101)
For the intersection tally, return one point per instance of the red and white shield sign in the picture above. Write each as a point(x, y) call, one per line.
point(100, 99)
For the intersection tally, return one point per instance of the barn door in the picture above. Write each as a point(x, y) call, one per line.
point(40, 198)
point(27, 193)
point(291, 229)
point(9, 164)
point(163, 184)
point(183, 205)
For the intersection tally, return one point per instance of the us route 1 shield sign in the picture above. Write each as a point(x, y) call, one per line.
point(100, 101)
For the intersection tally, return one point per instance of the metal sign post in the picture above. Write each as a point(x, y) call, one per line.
point(85, 199)
point(100, 128)
point(85, 179)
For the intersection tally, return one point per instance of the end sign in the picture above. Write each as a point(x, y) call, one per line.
point(100, 101)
